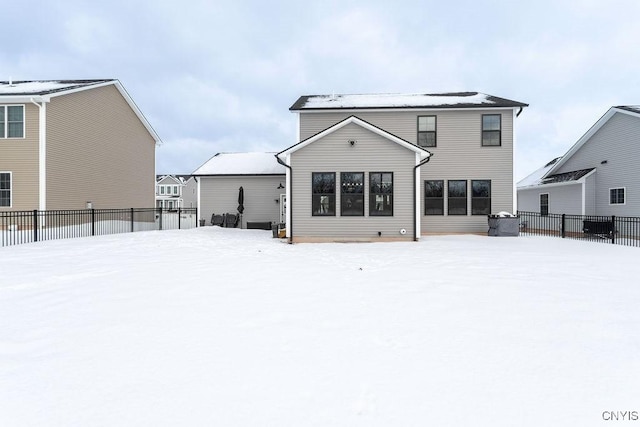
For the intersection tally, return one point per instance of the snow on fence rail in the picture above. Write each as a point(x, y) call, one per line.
point(17, 227)
point(605, 229)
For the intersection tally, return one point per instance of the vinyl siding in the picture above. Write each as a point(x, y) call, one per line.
point(371, 153)
point(617, 142)
point(459, 154)
point(563, 199)
point(21, 156)
point(219, 195)
point(98, 150)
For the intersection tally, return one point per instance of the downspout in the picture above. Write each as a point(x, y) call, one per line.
point(415, 202)
point(289, 195)
point(42, 153)
point(519, 111)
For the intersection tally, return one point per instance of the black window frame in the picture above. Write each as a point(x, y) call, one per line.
point(353, 191)
point(6, 190)
point(487, 132)
point(387, 209)
point(544, 207)
point(457, 198)
point(618, 193)
point(316, 196)
point(476, 200)
point(433, 132)
point(428, 200)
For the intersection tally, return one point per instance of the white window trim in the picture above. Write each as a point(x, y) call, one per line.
point(624, 189)
point(540, 203)
point(10, 190)
point(6, 121)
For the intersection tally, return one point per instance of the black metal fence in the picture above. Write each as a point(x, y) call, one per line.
point(618, 230)
point(17, 227)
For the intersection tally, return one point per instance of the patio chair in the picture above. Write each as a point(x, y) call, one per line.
point(231, 220)
point(217, 220)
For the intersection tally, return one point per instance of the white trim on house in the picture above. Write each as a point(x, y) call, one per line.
point(424, 154)
point(42, 153)
point(625, 196)
point(596, 127)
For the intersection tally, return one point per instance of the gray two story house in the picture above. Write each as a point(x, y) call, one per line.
point(597, 176)
point(395, 167)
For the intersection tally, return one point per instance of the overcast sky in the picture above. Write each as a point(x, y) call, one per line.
point(220, 76)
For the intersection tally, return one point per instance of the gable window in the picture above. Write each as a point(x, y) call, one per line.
point(175, 189)
point(381, 194)
point(162, 189)
point(434, 197)
point(616, 196)
point(323, 194)
point(544, 204)
point(480, 197)
point(11, 121)
point(5, 189)
point(491, 129)
point(352, 194)
point(457, 197)
point(427, 131)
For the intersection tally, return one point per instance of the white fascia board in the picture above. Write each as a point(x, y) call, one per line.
point(23, 99)
point(592, 130)
point(559, 184)
point(127, 98)
point(423, 153)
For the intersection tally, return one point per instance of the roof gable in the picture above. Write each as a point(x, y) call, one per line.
point(357, 121)
point(629, 110)
point(412, 101)
point(44, 90)
point(162, 179)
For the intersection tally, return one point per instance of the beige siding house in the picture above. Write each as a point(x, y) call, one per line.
point(63, 142)
point(413, 164)
point(262, 180)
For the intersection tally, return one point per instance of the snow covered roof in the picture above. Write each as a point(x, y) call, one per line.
point(256, 163)
point(415, 100)
point(44, 87)
point(535, 177)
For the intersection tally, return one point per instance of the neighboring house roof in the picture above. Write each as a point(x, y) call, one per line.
point(545, 175)
point(44, 87)
point(424, 154)
point(416, 100)
point(44, 90)
point(160, 178)
point(565, 177)
point(632, 110)
point(535, 177)
point(256, 163)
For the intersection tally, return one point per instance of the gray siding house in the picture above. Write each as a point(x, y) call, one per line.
point(62, 143)
point(261, 178)
point(176, 191)
point(395, 167)
point(597, 176)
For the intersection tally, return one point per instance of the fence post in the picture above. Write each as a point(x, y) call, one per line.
point(93, 222)
point(613, 229)
point(35, 225)
point(179, 215)
point(563, 225)
point(160, 218)
point(197, 221)
point(132, 222)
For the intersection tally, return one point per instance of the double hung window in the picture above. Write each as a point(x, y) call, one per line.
point(457, 197)
point(427, 131)
point(11, 121)
point(434, 197)
point(5, 189)
point(491, 129)
point(480, 197)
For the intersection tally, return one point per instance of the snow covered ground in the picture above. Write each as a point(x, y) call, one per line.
point(225, 327)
